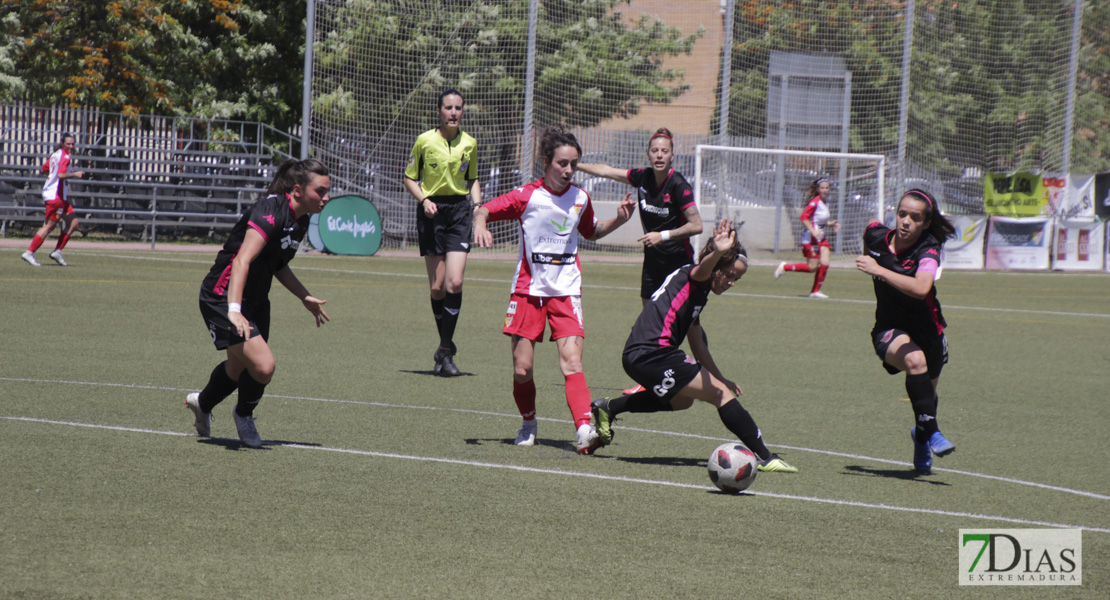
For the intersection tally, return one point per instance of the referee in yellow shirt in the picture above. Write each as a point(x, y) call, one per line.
point(442, 169)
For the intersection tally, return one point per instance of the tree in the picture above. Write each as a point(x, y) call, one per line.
point(209, 58)
point(381, 65)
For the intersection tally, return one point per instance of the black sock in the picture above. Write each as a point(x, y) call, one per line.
point(740, 423)
point(923, 398)
point(220, 386)
point(437, 312)
point(452, 304)
point(250, 392)
point(640, 402)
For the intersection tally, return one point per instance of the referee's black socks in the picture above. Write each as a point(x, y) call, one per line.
point(452, 304)
point(923, 398)
point(437, 312)
point(740, 423)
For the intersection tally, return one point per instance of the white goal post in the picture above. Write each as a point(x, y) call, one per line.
point(763, 183)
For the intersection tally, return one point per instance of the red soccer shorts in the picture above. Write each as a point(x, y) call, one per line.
point(56, 208)
point(528, 315)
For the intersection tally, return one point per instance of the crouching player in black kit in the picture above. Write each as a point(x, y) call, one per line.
point(234, 297)
point(672, 380)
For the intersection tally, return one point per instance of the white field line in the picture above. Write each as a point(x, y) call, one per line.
point(561, 473)
point(1045, 486)
point(636, 289)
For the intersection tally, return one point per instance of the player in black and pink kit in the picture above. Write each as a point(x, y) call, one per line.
point(909, 326)
point(668, 213)
point(234, 297)
point(672, 380)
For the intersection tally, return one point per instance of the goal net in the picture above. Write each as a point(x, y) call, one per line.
point(765, 190)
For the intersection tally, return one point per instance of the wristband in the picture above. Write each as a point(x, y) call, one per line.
point(666, 235)
point(234, 307)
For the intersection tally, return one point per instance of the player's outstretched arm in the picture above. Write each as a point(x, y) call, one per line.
point(312, 303)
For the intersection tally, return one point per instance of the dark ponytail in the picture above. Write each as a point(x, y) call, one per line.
point(292, 173)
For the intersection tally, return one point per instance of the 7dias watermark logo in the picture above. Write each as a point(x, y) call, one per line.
point(1021, 557)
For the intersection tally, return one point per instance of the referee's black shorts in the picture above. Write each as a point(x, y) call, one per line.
point(450, 230)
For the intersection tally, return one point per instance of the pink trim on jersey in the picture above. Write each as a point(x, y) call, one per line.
point(672, 313)
point(934, 310)
point(259, 230)
point(928, 265)
point(221, 283)
point(688, 204)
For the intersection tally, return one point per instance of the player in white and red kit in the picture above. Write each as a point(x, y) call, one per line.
point(670, 379)
point(547, 284)
point(56, 198)
point(909, 327)
point(815, 244)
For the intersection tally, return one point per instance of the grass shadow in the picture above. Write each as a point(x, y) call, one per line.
point(903, 474)
point(431, 373)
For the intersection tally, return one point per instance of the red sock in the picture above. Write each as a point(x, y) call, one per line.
point(36, 242)
point(798, 267)
point(62, 241)
point(819, 278)
point(525, 396)
point(578, 399)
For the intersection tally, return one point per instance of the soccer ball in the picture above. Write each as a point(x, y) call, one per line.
point(732, 467)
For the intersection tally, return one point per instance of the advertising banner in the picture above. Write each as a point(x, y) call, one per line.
point(1078, 246)
point(965, 250)
point(1018, 243)
point(1019, 195)
point(1102, 195)
point(1079, 202)
point(349, 225)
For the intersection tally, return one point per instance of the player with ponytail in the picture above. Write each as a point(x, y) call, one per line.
point(908, 335)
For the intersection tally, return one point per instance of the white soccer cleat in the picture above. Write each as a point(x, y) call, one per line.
point(247, 432)
point(57, 256)
point(779, 270)
point(203, 421)
point(527, 434)
point(587, 439)
point(30, 258)
point(818, 295)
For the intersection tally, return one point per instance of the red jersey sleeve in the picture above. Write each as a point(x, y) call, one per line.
point(508, 206)
point(807, 214)
point(587, 225)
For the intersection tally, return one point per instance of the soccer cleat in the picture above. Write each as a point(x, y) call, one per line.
point(779, 270)
point(447, 365)
point(247, 432)
point(30, 258)
point(604, 421)
point(636, 389)
point(527, 434)
point(203, 421)
point(922, 459)
point(940, 444)
point(777, 464)
point(438, 357)
point(587, 439)
point(57, 256)
point(818, 295)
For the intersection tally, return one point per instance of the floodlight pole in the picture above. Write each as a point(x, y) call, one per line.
point(306, 93)
point(529, 97)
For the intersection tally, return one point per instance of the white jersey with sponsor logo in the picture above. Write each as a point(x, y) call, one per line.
point(550, 226)
point(816, 212)
point(55, 187)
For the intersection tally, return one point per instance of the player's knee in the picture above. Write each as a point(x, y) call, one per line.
point(916, 363)
point(453, 285)
point(522, 374)
point(264, 372)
